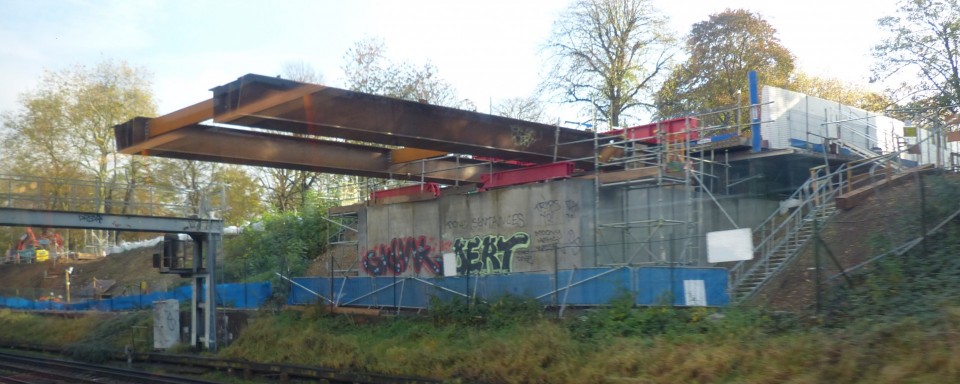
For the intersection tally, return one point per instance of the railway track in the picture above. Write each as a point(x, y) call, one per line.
point(243, 369)
point(21, 369)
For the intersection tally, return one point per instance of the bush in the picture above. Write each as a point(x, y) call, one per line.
point(503, 311)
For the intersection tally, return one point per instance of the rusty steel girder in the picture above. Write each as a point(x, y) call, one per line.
point(240, 146)
point(283, 105)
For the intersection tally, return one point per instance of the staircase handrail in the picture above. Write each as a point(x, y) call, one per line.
point(811, 201)
point(772, 239)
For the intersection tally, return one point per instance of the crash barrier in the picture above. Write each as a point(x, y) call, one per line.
point(577, 287)
point(234, 295)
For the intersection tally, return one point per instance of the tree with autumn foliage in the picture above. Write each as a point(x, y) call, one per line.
point(722, 50)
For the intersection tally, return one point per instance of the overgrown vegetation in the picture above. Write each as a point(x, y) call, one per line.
point(282, 242)
point(897, 323)
point(92, 338)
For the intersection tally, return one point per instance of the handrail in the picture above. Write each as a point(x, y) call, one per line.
point(813, 195)
point(76, 195)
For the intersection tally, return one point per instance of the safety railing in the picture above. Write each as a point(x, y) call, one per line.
point(785, 229)
point(73, 195)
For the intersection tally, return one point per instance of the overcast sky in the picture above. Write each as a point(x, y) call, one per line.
point(487, 49)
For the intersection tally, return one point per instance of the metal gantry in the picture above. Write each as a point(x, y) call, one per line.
point(25, 201)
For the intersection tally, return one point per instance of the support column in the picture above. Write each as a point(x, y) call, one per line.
point(195, 304)
point(210, 295)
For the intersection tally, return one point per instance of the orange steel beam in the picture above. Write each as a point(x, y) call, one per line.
point(193, 114)
point(406, 155)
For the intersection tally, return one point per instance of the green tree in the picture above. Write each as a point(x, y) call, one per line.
point(65, 128)
point(610, 54)
point(836, 90)
point(722, 49)
point(244, 200)
point(283, 242)
point(923, 46)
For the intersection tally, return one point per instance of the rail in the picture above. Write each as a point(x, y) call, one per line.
point(246, 368)
point(57, 370)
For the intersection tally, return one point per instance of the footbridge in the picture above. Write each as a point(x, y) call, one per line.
point(80, 204)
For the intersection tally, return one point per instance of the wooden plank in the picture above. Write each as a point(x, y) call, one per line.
point(855, 197)
point(353, 208)
point(422, 196)
point(628, 175)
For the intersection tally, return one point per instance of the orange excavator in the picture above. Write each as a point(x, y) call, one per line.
point(30, 249)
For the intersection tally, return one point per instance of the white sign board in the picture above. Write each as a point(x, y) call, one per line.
point(166, 323)
point(449, 264)
point(695, 293)
point(732, 245)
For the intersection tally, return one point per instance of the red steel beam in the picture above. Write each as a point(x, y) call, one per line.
point(526, 175)
point(429, 188)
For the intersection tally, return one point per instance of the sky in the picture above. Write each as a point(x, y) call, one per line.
point(488, 50)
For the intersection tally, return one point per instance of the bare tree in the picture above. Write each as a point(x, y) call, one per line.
point(523, 108)
point(611, 54)
point(288, 188)
point(301, 71)
point(368, 70)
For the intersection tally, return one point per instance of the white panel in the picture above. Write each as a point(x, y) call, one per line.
point(695, 293)
point(793, 115)
point(166, 323)
point(449, 264)
point(731, 245)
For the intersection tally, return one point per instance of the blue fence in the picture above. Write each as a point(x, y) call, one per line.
point(249, 295)
point(579, 287)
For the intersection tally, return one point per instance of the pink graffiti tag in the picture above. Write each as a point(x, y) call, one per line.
point(395, 258)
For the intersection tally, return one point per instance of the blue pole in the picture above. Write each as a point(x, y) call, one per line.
point(754, 111)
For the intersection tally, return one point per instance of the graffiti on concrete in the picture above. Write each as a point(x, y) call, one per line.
point(395, 258)
point(573, 209)
point(546, 239)
point(488, 254)
point(549, 211)
point(571, 244)
point(513, 220)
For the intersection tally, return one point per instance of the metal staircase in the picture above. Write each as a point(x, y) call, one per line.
point(784, 234)
point(900, 144)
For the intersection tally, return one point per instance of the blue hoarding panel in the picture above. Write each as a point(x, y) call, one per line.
point(681, 286)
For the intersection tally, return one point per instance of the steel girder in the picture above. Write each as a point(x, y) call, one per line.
point(289, 106)
point(240, 146)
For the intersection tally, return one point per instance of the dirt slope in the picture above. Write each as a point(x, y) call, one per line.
point(127, 268)
point(852, 236)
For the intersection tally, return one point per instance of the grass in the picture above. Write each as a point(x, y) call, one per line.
point(611, 345)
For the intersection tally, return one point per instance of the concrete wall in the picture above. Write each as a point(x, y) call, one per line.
point(546, 226)
point(529, 228)
point(668, 224)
